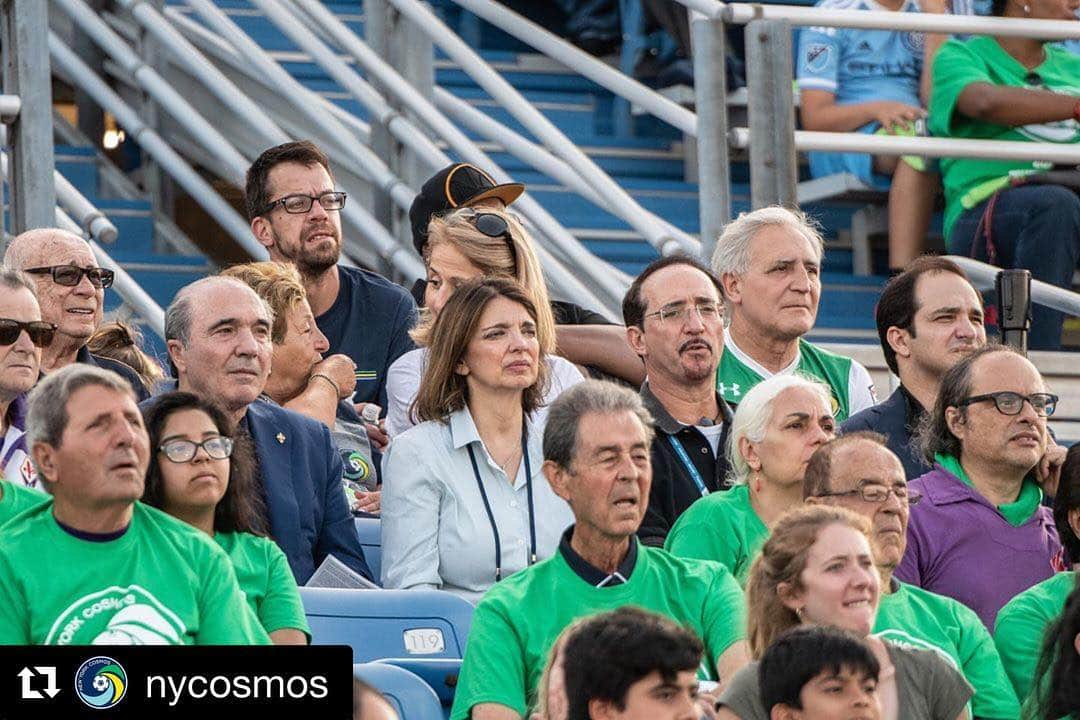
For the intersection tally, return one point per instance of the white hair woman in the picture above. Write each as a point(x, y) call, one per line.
point(776, 428)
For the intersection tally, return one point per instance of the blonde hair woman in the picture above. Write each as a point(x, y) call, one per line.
point(817, 568)
point(466, 503)
point(464, 245)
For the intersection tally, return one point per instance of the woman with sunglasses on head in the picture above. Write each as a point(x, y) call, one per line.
point(817, 568)
point(22, 336)
point(204, 476)
point(464, 245)
point(465, 502)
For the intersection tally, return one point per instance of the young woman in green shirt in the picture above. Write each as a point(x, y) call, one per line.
point(203, 474)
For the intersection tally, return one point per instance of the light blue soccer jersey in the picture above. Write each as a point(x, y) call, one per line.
point(861, 65)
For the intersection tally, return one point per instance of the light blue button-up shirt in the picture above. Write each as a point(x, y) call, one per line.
point(435, 530)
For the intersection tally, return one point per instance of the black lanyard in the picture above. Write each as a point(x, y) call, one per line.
point(487, 504)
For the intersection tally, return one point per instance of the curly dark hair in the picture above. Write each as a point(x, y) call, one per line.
point(241, 509)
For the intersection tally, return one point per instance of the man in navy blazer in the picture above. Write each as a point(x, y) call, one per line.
point(928, 317)
point(218, 334)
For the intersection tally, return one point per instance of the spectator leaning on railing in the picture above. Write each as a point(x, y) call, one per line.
point(1008, 212)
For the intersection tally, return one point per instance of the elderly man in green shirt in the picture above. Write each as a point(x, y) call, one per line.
point(596, 457)
point(859, 472)
point(131, 574)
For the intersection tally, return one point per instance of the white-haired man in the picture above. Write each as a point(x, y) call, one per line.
point(769, 261)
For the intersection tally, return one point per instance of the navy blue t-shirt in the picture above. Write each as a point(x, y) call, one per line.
point(370, 322)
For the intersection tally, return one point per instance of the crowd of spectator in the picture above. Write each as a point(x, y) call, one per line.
point(702, 543)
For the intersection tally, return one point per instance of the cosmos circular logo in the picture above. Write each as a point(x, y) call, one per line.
point(101, 682)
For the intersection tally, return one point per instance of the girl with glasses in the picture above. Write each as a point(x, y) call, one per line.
point(204, 475)
point(464, 245)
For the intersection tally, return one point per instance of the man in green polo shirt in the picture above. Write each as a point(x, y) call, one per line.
point(596, 456)
point(769, 262)
point(859, 472)
point(1021, 625)
point(131, 575)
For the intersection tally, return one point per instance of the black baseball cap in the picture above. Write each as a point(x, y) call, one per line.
point(458, 185)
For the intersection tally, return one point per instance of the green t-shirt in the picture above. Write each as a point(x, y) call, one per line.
point(1022, 623)
point(264, 575)
point(160, 583)
point(981, 60)
point(722, 527)
point(519, 619)
point(16, 498)
point(851, 385)
point(916, 618)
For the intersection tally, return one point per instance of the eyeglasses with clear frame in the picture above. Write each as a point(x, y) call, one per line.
point(300, 204)
point(678, 312)
point(876, 493)
point(180, 450)
point(1012, 403)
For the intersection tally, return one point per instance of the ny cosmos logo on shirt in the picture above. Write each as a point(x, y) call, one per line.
point(117, 616)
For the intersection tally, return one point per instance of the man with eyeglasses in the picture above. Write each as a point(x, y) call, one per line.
point(859, 472)
point(295, 212)
point(769, 262)
point(981, 534)
point(71, 291)
point(674, 322)
point(22, 335)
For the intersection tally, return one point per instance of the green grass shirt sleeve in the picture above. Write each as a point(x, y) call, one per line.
point(955, 67)
point(281, 607)
point(14, 619)
point(702, 535)
point(226, 618)
point(724, 619)
point(981, 664)
point(493, 670)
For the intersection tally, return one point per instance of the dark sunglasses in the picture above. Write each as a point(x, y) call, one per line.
point(71, 275)
point(41, 333)
point(494, 226)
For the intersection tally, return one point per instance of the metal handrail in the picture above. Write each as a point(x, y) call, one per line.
point(657, 234)
point(149, 140)
point(983, 276)
point(742, 13)
point(604, 277)
point(10, 105)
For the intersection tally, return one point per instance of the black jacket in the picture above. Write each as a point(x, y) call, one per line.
point(897, 418)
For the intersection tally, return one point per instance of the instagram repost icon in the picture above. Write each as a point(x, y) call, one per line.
point(101, 682)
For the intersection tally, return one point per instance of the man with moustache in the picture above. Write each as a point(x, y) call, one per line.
point(674, 322)
point(218, 332)
point(769, 262)
point(859, 472)
point(71, 292)
point(928, 317)
point(295, 212)
point(596, 457)
point(981, 534)
point(22, 335)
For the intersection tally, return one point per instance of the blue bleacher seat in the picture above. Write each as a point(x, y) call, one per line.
point(410, 696)
point(389, 623)
point(370, 531)
point(440, 673)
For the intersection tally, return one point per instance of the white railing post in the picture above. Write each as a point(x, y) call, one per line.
point(24, 30)
point(714, 168)
point(773, 170)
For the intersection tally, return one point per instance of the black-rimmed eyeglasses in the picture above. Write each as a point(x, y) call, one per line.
point(41, 333)
point(873, 493)
point(182, 451)
point(71, 275)
point(1011, 403)
point(300, 204)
